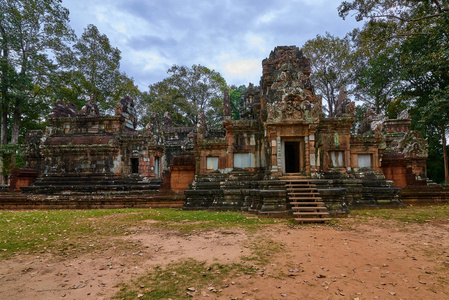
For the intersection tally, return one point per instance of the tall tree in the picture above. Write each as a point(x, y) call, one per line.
point(186, 92)
point(419, 30)
point(377, 80)
point(29, 30)
point(332, 61)
point(97, 67)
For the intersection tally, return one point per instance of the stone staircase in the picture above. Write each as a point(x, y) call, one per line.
point(305, 200)
point(63, 184)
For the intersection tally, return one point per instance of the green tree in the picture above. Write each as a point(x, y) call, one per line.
point(235, 97)
point(332, 61)
point(97, 67)
point(377, 81)
point(29, 31)
point(419, 30)
point(186, 92)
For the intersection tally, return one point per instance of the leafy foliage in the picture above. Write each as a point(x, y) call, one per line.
point(332, 61)
point(30, 31)
point(186, 92)
point(407, 45)
point(93, 72)
point(235, 97)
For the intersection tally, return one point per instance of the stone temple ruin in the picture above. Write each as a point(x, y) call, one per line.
point(281, 158)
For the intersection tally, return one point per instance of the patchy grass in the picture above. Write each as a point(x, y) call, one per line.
point(184, 280)
point(191, 278)
point(68, 231)
point(262, 249)
point(22, 231)
point(409, 214)
point(188, 221)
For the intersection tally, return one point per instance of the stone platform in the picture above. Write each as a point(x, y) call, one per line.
point(60, 184)
point(90, 201)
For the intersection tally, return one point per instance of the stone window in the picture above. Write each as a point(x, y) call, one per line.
point(157, 167)
point(243, 160)
point(336, 159)
point(212, 163)
point(364, 160)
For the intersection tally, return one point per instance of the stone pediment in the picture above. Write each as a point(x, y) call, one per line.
point(414, 145)
point(295, 107)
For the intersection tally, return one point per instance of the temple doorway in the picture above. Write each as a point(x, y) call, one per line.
point(134, 165)
point(293, 156)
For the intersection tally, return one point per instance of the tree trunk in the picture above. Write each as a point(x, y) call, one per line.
point(446, 169)
point(16, 124)
point(4, 122)
point(4, 88)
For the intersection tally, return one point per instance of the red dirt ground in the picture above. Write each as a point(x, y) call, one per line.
point(357, 260)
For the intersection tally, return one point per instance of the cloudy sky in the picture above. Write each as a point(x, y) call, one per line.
point(229, 36)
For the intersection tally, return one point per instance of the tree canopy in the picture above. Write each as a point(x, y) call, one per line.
point(407, 41)
point(29, 31)
point(186, 92)
point(332, 62)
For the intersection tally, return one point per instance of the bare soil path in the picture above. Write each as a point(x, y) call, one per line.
point(372, 259)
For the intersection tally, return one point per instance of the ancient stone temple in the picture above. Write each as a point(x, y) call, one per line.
point(281, 158)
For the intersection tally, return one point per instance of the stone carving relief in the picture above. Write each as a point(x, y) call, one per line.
point(292, 108)
point(201, 126)
point(288, 82)
point(403, 115)
point(413, 145)
point(344, 107)
point(153, 130)
point(372, 124)
point(60, 110)
point(125, 108)
point(167, 121)
point(89, 110)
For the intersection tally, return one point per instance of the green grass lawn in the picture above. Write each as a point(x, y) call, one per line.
point(409, 214)
point(82, 230)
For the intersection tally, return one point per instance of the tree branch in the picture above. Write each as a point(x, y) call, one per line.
point(443, 11)
point(438, 6)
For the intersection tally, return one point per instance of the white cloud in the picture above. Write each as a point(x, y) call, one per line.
point(268, 17)
point(242, 71)
point(243, 67)
point(230, 36)
point(257, 43)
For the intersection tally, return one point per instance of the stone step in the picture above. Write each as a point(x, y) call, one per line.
point(293, 194)
point(306, 203)
point(310, 208)
point(293, 176)
point(321, 213)
point(56, 189)
point(301, 220)
point(302, 191)
point(312, 199)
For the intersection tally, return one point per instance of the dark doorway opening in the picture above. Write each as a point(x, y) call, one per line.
point(134, 165)
point(292, 157)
